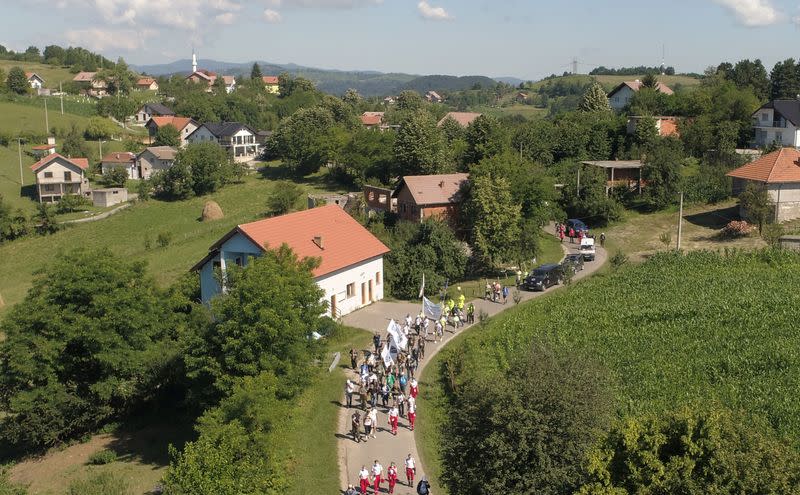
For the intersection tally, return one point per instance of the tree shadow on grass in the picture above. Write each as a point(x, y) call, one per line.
point(148, 442)
point(714, 219)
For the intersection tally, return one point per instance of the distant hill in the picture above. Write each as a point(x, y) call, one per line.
point(514, 81)
point(368, 83)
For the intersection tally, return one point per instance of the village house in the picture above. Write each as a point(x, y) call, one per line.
point(619, 173)
point(372, 120)
point(271, 84)
point(150, 110)
point(155, 159)
point(202, 76)
point(777, 172)
point(620, 96)
point(777, 122)
point(147, 84)
point(350, 271)
point(57, 176)
point(433, 97)
point(122, 159)
point(90, 85)
point(665, 126)
point(425, 196)
point(464, 119)
point(184, 125)
point(238, 139)
point(111, 196)
point(379, 199)
point(34, 80)
point(42, 150)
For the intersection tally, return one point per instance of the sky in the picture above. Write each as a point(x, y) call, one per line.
point(528, 39)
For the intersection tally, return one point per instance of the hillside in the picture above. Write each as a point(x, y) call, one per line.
point(448, 83)
point(51, 74)
point(609, 82)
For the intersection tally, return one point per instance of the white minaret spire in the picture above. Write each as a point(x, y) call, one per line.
point(194, 61)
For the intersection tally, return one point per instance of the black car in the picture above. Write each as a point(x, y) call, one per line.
point(576, 225)
point(574, 260)
point(543, 277)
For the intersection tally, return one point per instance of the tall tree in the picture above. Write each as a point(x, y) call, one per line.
point(494, 218)
point(785, 80)
point(485, 138)
point(74, 145)
point(305, 139)
point(17, 81)
point(255, 72)
point(650, 81)
point(168, 135)
point(595, 99)
point(758, 205)
point(419, 147)
point(352, 97)
point(208, 164)
point(661, 172)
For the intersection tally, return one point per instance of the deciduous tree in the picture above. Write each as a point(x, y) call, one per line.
point(494, 217)
point(419, 147)
point(168, 135)
point(758, 205)
point(17, 82)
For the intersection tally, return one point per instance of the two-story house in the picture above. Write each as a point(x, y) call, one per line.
point(90, 85)
point(57, 176)
point(184, 125)
point(778, 122)
point(621, 96)
point(238, 139)
point(150, 110)
point(120, 159)
point(155, 159)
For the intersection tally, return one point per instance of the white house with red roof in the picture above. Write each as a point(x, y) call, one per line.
point(57, 176)
point(34, 80)
point(120, 159)
point(777, 172)
point(350, 271)
point(620, 96)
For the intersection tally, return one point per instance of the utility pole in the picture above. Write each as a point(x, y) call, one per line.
point(21, 178)
point(61, 92)
point(46, 120)
point(575, 65)
point(100, 144)
point(578, 189)
point(680, 222)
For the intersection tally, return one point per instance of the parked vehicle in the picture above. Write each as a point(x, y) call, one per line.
point(543, 277)
point(573, 260)
point(587, 248)
point(576, 225)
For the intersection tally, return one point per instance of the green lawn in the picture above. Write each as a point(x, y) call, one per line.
point(17, 117)
point(528, 111)
point(51, 74)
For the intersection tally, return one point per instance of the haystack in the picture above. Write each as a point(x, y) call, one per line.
point(212, 211)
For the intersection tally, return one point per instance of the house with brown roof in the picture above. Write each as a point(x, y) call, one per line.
point(147, 84)
point(777, 172)
point(34, 80)
point(433, 97)
point(350, 272)
point(90, 85)
point(121, 159)
point(185, 126)
point(464, 119)
point(372, 120)
point(57, 176)
point(202, 76)
point(271, 84)
point(155, 159)
point(620, 96)
point(426, 196)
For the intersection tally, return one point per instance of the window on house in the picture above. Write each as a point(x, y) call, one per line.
point(238, 261)
point(351, 290)
point(779, 137)
point(765, 116)
point(49, 188)
point(377, 278)
point(48, 175)
point(67, 176)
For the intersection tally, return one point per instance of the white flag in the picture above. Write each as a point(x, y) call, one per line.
point(396, 332)
point(422, 287)
point(387, 356)
point(431, 309)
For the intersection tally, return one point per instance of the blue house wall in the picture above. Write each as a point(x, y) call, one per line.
point(236, 250)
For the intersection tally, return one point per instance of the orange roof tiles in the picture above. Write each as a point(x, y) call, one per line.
point(84, 76)
point(776, 167)
point(669, 127)
point(433, 189)
point(145, 81)
point(345, 242)
point(119, 157)
point(270, 79)
point(178, 122)
point(81, 163)
point(43, 147)
point(367, 119)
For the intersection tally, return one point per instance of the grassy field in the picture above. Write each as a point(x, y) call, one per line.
point(700, 328)
point(530, 112)
point(51, 74)
point(16, 117)
point(610, 81)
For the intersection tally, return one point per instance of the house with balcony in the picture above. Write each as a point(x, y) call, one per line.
point(777, 122)
point(57, 176)
point(238, 139)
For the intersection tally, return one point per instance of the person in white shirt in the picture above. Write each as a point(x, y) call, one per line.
point(394, 415)
point(349, 390)
point(373, 415)
point(411, 470)
point(363, 479)
point(368, 425)
point(412, 412)
point(377, 471)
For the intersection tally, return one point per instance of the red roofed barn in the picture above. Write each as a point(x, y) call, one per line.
point(779, 173)
point(351, 258)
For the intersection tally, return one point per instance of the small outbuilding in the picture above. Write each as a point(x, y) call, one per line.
point(627, 173)
point(109, 197)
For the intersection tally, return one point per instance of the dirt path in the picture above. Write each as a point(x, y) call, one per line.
point(387, 448)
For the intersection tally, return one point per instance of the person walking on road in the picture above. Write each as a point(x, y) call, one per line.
point(353, 358)
point(391, 476)
point(349, 390)
point(394, 415)
point(376, 341)
point(411, 470)
point(351, 490)
point(355, 426)
point(363, 479)
point(368, 424)
point(412, 412)
point(602, 239)
point(373, 416)
point(571, 235)
point(377, 473)
point(413, 389)
point(423, 488)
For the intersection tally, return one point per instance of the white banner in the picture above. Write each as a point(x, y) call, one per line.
point(397, 334)
point(386, 354)
point(431, 309)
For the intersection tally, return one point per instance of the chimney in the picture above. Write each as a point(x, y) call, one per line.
point(318, 241)
point(51, 140)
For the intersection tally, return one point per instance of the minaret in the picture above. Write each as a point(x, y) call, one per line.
point(194, 62)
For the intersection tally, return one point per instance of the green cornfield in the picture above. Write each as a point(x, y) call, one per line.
point(679, 329)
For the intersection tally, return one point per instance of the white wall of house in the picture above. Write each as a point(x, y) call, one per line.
point(59, 177)
point(148, 164)
point(769, 129)
point(360, 278)
point(35, 83)
point(621, 98)
point(130, 168)
point(202, 135)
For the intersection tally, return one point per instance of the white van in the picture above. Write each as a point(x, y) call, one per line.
point(587, 248)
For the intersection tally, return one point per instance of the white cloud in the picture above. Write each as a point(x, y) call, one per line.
point(753, 12)
point(106, 39)
point(330, 4)
point(432, 13)
point(272, 16)
point(227, 18)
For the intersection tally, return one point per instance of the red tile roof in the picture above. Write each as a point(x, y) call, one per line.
point(463, 118)
point(178, 122)
point(345, 242)
point(145, 81)
point(43, 147)
point(637, 85)
point(84, 76)
point(81, 163)
point(119, 157)
point(270, 79)
point(371, 118)
point(777, 167)
point(669, 127)
point(432, 189)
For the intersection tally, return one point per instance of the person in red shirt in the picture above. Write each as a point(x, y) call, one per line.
point(571, 235)
point(391, 476)
point(414, 388)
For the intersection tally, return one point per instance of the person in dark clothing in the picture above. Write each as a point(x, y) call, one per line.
point(423, 487)
point(376, 340)
point(353, 358)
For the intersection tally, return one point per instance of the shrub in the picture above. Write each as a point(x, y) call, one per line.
point(163, 239)
point(735, 229)
point(71, 202)
point(101, 457)
point(618, 259)
point(771, 233)
point(115, 177)
point(103, 483)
